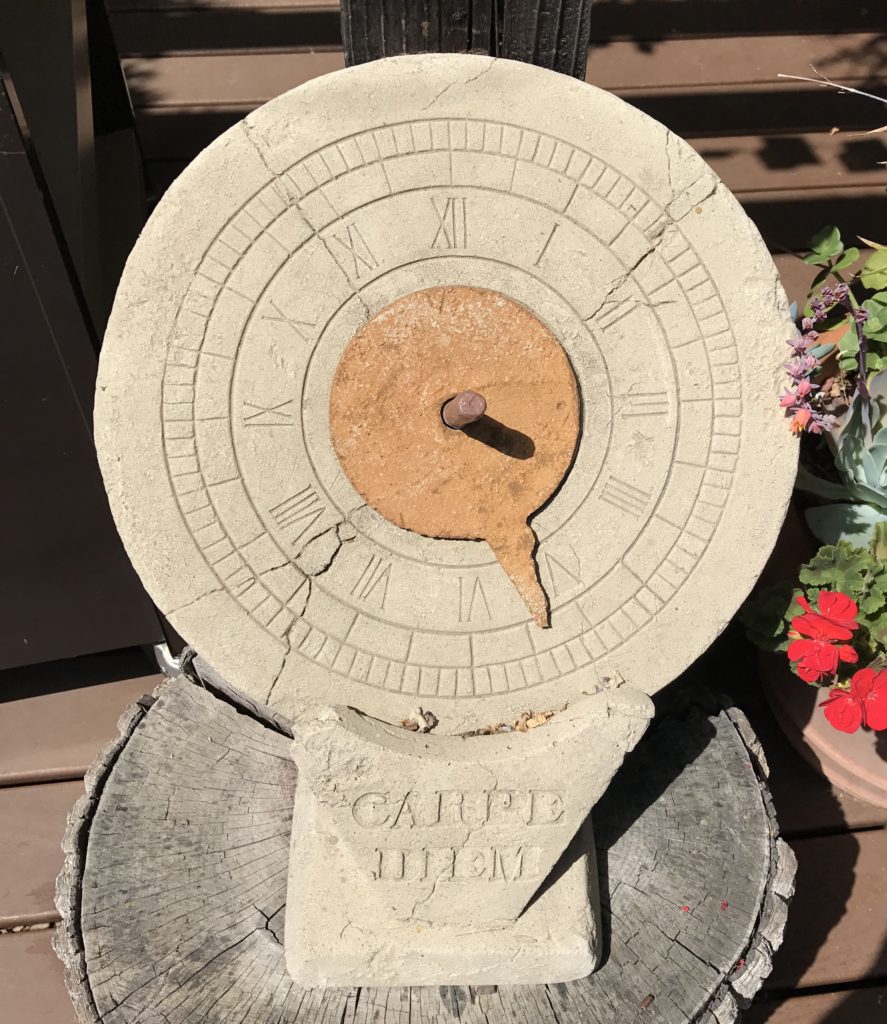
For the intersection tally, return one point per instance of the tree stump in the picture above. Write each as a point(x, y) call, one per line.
point(173, 891)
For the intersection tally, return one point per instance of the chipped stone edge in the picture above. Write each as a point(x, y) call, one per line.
point(738, 989)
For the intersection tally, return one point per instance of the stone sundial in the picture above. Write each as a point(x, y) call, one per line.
point(447, 382)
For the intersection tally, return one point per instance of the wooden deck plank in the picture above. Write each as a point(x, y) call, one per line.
point(859, 1006)
point(837, 928)
point(32, 823)
point(254, 76)
point(737, 60)
point(32, 984)
point(647, 19)
point(55, 717)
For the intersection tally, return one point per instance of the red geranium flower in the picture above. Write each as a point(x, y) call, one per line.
point(835, 620)
point(813, 634)
point(865, 703)
point(818, 658)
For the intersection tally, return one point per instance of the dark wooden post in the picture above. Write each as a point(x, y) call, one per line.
point(551, 33)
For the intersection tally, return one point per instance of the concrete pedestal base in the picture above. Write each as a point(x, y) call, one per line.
point(448, 860)
point(329, 942)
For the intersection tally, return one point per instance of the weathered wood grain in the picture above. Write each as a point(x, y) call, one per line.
point(551, 33)
point(173, 889)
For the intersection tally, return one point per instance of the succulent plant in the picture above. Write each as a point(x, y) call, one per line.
point(859, 444)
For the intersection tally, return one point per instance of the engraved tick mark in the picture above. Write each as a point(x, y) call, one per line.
point(551, 234)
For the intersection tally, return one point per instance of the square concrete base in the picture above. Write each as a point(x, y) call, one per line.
point(340, 933)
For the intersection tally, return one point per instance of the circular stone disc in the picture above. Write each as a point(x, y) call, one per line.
point(322, 208)
point(480, 483)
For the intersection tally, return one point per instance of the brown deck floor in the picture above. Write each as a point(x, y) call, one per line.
point(832, 968)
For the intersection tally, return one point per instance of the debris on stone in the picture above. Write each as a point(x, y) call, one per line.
point(420, 721)
point(523, 723)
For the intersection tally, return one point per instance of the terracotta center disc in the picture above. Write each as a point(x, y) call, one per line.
point(479, 483)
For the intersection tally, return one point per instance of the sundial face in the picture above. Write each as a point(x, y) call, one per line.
point(230, 385)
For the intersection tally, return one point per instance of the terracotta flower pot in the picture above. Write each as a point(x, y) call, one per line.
point(855, 762)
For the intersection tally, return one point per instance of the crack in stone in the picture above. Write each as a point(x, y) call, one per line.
point(196, 600)
point(450, 85)
point(247, 131)
point(316, 556)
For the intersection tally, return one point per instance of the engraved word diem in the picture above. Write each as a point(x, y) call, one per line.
point(461, 864)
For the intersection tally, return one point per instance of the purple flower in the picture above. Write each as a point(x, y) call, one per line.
point(811, 336)
point(860, 315)
point(807, 323)
point(842, 291)
point(800, 367)
point(828, 296)
point(818, 308)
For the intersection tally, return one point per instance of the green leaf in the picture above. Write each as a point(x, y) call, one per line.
point(873, 361)
point(878, 334)
point(826, 242)
point(854, 524)
point(765, 616)
point(847, 363)
point(841, 566)
point(848, 343)
point(815, 257)
point(874, 270)
point(806, 481)
point(874, 602)
point(851, 255)
point(821, 351)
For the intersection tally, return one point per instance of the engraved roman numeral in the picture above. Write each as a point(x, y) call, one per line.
point(452, 226)
point(302, 509)
point(538, 259)
point(353, 243)
point(372, 584)
point(278, 316)
point(641, 401)
point(472, 600)
point(625, 497)
point(562, 578)
point(280, 415)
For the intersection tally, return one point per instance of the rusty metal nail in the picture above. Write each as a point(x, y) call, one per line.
point(466, 407)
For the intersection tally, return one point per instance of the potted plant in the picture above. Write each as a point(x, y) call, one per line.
point(828, 619)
